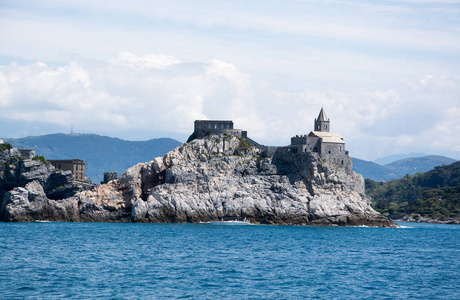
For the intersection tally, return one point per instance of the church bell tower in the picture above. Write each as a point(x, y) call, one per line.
point(322, 123)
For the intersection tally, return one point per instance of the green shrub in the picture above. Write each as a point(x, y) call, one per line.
point(41, 159)
point(6, 146)
point(243, 147)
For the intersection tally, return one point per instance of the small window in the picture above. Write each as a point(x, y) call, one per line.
point(342, 162)
point(329, 152)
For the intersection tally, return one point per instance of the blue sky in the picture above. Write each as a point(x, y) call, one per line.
point(386, 72)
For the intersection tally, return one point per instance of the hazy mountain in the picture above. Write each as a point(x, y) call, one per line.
point(389, 159)
point(101, 153)
point(399, 168)
point(372, 170)
point(418, 164)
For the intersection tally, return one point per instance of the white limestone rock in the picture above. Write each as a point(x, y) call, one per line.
point(189, 185)
point(16, 205)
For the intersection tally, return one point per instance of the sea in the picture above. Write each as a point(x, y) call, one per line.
point(201, 261)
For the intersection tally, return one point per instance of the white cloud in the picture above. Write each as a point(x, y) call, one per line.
point(126, 59)
point(129, 92)
point(137, 93)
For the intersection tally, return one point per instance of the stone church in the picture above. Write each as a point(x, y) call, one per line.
point(322, 141)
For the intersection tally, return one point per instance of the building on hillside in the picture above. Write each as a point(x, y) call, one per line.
point(323, 142)
point(27, 153)
point(77, 166)
point(1, 141)
point(207, 127)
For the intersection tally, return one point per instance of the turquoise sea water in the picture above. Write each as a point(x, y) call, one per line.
point(176, 261)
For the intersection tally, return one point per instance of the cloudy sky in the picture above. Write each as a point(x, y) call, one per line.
point(386, 72)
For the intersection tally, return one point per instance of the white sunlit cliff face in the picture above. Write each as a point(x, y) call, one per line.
point(189, 185)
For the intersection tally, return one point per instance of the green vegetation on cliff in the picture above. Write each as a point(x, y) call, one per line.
point(5, 146)
point(434, 194)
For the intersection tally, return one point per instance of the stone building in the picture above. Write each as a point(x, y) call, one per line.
point(323, 142)
point(206, 127)
point(77, 166)
point(27, 153)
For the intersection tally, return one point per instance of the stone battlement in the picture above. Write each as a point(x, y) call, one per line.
point(206, 127)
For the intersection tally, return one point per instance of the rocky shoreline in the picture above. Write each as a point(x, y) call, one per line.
point(421, 219)
point(188, 184)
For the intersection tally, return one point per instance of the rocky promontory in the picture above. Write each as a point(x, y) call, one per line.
point(31, 189)
point(189, 184)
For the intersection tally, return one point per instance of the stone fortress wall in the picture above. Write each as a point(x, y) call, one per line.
point(207, 127)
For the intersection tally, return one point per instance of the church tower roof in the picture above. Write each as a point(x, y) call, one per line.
point(322, 123)
point(322, 115)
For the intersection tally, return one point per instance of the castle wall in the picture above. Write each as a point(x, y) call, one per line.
point(305, 143)
point(213, 125)
point(299, 140)
point(313, 144)
point(207, 127)
point(332, 148)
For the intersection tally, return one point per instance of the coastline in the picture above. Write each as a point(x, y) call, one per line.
point(420, 219)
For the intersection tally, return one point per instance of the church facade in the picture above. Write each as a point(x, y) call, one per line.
point(323, 142)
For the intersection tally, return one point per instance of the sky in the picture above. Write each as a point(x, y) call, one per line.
point(386, 72)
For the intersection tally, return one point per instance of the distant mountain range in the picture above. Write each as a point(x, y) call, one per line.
point(106, 154)
point(389, 159)
point(101, 153)
point(399, 168)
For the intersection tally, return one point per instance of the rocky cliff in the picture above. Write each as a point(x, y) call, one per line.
point(31, 189)
point(189, 184)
